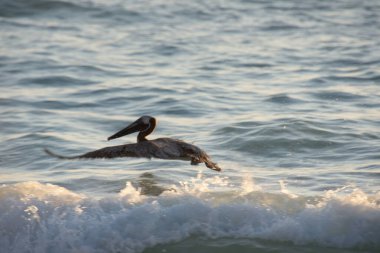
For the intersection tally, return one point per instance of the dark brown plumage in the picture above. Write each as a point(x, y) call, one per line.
point(162, 148)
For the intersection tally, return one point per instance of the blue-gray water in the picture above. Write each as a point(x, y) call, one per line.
point(284, 95)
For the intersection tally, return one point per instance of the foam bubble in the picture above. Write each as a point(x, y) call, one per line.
point(37, 217)
point(285, 190)
point(248, 184)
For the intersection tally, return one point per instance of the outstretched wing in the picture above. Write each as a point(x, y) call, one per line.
point(163, 148)
point(127, 150)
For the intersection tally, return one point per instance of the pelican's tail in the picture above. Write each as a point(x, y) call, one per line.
point(212, 165)
point(47, 151)
point(204, 158)
point(208, 162)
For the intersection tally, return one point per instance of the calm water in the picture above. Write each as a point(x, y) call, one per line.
point(285, 96)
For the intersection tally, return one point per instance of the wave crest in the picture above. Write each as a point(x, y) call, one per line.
point(48, 218)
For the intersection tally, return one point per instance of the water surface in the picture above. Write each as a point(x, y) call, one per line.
point(283, 95)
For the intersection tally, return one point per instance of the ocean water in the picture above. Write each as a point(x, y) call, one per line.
point(284, 95)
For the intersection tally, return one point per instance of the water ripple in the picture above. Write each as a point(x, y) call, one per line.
point(54, 81)
point(337, 96)
point(283, 99)
point(17, 8)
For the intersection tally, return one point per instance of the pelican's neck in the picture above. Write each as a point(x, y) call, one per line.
point(144, 133)
point(141, 137)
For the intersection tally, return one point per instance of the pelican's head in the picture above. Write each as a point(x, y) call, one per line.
point(145, 125)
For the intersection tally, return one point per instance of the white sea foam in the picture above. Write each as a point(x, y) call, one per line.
point(37, 217)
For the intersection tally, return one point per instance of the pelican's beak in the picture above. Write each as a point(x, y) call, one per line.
point(136, 126)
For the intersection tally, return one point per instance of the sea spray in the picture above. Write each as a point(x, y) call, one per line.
point(38, 217)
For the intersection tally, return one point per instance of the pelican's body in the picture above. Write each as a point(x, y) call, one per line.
point(163, 148)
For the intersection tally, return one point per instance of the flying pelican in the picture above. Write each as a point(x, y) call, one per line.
point(163, 148)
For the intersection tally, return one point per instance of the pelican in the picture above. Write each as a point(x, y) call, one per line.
point(163, 148)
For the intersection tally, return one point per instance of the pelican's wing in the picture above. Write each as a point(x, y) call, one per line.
point(127, 150)
point(164, 148)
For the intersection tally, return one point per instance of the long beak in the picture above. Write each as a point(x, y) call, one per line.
point(132, 128)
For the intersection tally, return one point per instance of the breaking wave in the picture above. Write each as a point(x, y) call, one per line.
point(42, 217)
